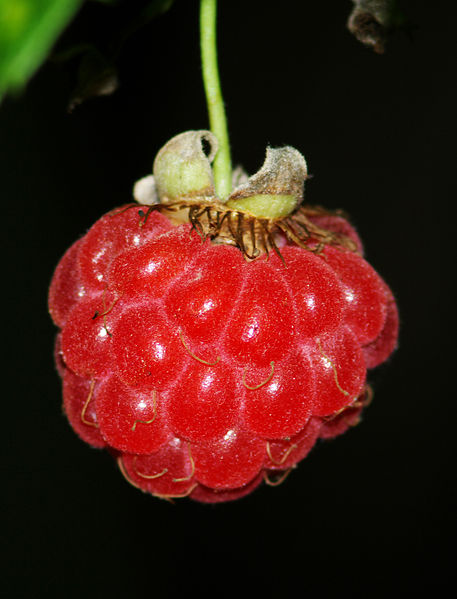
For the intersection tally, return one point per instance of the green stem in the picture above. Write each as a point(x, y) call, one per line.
point(222, 166)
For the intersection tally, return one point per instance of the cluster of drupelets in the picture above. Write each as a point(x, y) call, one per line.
point(203, 373)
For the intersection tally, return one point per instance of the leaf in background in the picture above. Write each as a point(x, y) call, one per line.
point(157, 7)
point(28, 29)
point(97, 76)
point(97, 73)
point(153, 8)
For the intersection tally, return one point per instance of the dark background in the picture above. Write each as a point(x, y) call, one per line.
point(370, 513)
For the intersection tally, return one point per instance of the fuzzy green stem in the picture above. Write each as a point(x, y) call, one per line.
point(222, 166)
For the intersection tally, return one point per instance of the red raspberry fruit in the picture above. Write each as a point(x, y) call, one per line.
point(203, 373)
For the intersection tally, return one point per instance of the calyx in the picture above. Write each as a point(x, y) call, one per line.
point(182, 172)
point(263, 209)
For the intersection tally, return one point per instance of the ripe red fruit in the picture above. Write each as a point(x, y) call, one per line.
point(203, 373)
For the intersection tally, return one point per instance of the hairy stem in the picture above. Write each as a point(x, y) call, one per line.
point(222, 166)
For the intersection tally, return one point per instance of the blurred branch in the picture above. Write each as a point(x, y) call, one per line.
point(372, 20)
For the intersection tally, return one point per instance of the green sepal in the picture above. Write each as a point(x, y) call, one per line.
point(276, 189)
point(265, 206)
point(182, 170)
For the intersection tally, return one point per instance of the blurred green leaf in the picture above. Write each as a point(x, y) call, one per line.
point(97, 76)
point(28, 29)
point(97, 73)
point(157, 7)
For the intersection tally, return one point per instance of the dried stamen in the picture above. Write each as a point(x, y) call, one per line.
point(267, 380)
point(284, 457)
point(145, 215)
point(193, 355)
point(365, 398)
point(169, 497)
point(117, 212)
point(335, 373)
point(253, 235)
point(192, 464)
point(277, 481)
point(172, 496)
point(107, 311)
point(147, 476)
point(86, 404)
point(120, 463)
point(154, 399)
point(331, 417)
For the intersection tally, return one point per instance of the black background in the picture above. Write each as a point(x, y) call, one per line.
point(370, 513)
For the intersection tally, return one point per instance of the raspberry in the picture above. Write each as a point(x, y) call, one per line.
point(202, 372)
